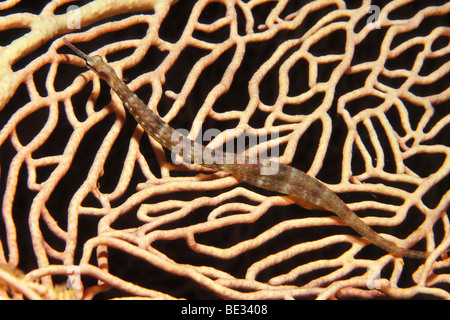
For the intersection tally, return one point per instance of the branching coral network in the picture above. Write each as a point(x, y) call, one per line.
point(355, 95)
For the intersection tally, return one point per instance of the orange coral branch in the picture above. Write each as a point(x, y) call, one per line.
point(358, 96)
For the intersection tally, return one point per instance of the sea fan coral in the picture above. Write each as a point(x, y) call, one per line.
point(355, 94)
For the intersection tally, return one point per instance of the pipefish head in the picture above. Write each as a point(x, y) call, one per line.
point(94, 63)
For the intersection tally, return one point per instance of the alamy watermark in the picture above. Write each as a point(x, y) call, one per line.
point(74, 17)
point(74, 278)
point(373, 21)
point(235, 149)
point(373, 279)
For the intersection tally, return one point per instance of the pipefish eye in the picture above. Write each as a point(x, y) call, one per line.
point(93, 62)
point(96, 60)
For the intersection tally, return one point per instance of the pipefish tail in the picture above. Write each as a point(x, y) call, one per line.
point(304, 189)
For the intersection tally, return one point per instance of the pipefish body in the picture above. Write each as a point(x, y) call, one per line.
point(305, 190)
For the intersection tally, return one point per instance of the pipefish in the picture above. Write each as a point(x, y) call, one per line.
point(305, 190)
